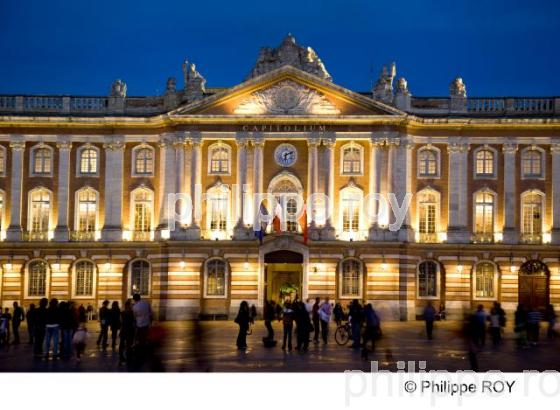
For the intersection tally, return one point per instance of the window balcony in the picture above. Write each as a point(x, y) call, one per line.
point(142, 236)
point(36, 236)
point(483, 238)
point(83, 236)
point(427, 237)
point(531, 238)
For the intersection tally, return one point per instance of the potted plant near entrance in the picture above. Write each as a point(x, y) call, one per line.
point(288, 290)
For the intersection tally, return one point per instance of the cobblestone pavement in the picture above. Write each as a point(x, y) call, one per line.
point(214, 350)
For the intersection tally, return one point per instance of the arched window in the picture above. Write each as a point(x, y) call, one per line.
point(2, 161)
point(484, 208)
point(143, 160)
point(142, 212)
point(484, 163)
point(285, 188)
point(485, 281)
point(428, 163)
point(86, 213)
point(88, 160)
point(84, 278)
point(428, 214)
point(351, 202)
point(41, 160)
point(39, 213)
point(215, 278)
point(217, 203)
point(428, 278)
point(532, 207)
point(140, 277)
point(352, 159)
point(532, 163)
point(351, 274)
point(219, 159)
point(37, 279)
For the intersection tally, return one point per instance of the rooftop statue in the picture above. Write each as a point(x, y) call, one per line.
point(195, 83)
point(383, 88)
point(289, 53)
point(402, 87)
point(118, 89)
point(457, 88)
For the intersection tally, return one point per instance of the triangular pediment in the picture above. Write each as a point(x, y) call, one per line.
point(287, 91)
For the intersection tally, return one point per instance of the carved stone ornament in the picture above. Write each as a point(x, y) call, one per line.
point(286, 97)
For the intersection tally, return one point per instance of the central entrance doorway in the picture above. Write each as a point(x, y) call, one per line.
point(534, 285)
point(283, 275)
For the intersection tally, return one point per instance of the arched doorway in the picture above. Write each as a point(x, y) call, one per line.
point(534, 284)
point(283, 275)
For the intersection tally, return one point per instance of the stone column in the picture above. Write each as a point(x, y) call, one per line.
point(168, 180)
point(240, 230)
point(328, 232)
point(457, 231)
point(374, 182)
point(179, 145)
point(510, 196)
point(14, 231)
point(258, 166)
point(61, 232)
point(555, 151)
point(313, 179)
point(114, 155)
point(402, 184)
point(193, 231)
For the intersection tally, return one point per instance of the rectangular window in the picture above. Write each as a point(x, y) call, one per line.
point(218, 212)
point(40, 212)
point(350, 214)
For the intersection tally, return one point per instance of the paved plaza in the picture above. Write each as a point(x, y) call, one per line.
point(210, 346)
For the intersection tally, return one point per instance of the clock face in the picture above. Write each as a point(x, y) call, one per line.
point(285, 155)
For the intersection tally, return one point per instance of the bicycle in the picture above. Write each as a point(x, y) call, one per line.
point(343, 334)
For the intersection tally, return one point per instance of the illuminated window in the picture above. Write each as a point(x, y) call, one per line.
point(84, 278)
point(352, 159)
point(142, 206)
point(428, 162)
point(140, 278)
point(89, 157)
point(284, 191)
point(428, 215)
point(217, 202)
point(37, 280)
point(219, 159)
point(351, 206)
point(532, 216)
point(484, 280)
point(484, 215)
point(39, 211)
point(484, 165)
point(351, 278)
point(532, 163)
point(428, 279)
point(87, 210)
point(216, 271)
point(143, 161)
point(42, 160)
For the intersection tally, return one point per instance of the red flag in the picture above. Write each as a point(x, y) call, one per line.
point(303, 224)
point(276, 224)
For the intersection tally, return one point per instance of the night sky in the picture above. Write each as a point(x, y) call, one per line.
point(500, 48)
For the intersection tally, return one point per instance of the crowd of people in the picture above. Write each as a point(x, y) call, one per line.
point(59, 329)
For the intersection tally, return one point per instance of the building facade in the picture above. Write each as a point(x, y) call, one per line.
point(85, 184)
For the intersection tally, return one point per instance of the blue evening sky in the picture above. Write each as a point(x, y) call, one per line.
point(80, 46)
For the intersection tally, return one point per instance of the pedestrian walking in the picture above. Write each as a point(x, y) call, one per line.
point(104, 325)
point(325, 313)
point(480, 325)
point(253, 313)
point(268, 315)
point(142, 319)
point(29, 318)
point(550, 317)
point(114, 323)
point(534, 318)
point(40, 323)
point(355, 316)
point(429, 315)
point(127, 332)
point(494, 318)
point(67, 328)
point(373, 329)
point(89, 312)
point(18, 317)
point(520, 326)
point(338, 313)
point(5, 319)
point(315, 319)
point(52, 328)
point(303, 326)
point(243, 319)
point(288, 325)
point(79, 340)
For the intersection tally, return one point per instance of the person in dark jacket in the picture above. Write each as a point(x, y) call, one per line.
point(373, 329)
point(52, 328)
point(104, 324)
point(288, 325)
point(338, 313)
point(429, 317)
point(67, 328)
point(127, 332)
point(243, 319)
point(39, 324)
point(356, 316)
point(29, 315)
point(268, 314)
point(303, 324)
point(315, 318)
point(18, 317)
point(114, 322)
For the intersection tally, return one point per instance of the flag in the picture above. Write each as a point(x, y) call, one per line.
point(276, 221)
point(303, 224)
point(262, 231)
